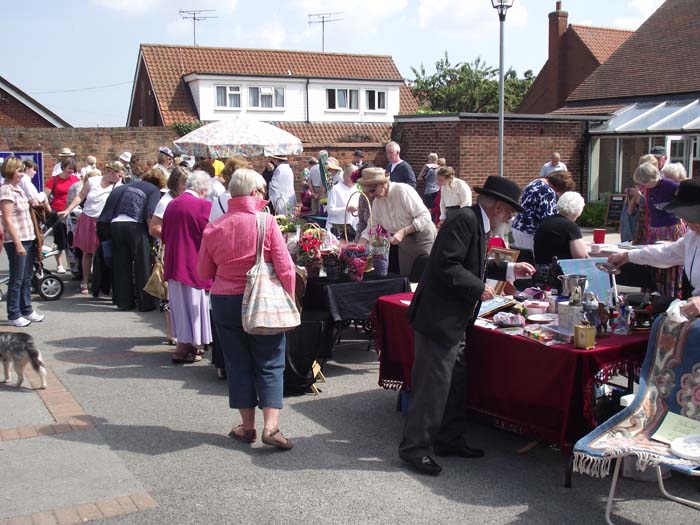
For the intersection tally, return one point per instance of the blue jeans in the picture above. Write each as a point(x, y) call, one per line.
point(254, 363)
point(19, 286)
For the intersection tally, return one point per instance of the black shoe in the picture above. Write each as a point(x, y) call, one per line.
point(424, 465)
point(461, 449)
point(126, 308)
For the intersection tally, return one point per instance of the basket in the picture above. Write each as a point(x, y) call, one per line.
point(356, 256)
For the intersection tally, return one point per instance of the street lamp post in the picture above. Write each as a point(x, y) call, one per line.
point(502, 7)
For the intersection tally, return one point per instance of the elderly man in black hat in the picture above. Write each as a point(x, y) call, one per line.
point(444, 307)
point(684, 251)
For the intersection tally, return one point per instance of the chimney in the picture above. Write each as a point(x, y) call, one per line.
point(558, 22)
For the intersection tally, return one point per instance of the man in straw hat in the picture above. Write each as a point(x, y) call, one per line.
point(63, 154)
point(684, 251)
point(398, 208)
point(443, 308)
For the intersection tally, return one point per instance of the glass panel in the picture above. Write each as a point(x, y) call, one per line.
point(632, 149)
point(279, 97)
point(266, 101)
point(342, 95)
point(330, 98)
point(677, 122)
point(652, 118)
point(381, 100)
point(221, 96)
point(628, 114)
point(254, 97)
point(607, 165)
point(234, 100)
point(370, 99)
point(678, 151)
point(354, 99)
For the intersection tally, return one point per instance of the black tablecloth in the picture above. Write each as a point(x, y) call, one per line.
point(347, 300)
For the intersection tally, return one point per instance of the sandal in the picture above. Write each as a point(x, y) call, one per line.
point(246, 435)
point(84, 289)
point(188, 358)
point(276, 439)
point(171, 341)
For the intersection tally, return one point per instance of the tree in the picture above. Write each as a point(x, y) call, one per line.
point(467, 87)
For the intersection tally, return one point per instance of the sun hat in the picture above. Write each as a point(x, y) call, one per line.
point(332, 164)
point(372, 176)
point(91, 159)
point(278, 157)
point(167, 151)
point(502, 189)
point(114, 166)
point(125, 157)
point(686, 203)
point(658, 151)
point(66, 152)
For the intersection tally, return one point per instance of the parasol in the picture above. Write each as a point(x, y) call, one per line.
point(239, 136)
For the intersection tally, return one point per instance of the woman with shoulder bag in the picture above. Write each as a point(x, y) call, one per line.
point(254, 363)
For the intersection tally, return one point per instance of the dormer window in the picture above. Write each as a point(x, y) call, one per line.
point(376, 100)
point(266, 97)
point(228, 97)
point(347, 99)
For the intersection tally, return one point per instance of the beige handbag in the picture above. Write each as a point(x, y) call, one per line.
point(156, 286)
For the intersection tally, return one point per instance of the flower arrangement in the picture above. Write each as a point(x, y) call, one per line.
point(379, 240)
point(355, 257)
point(309, 248)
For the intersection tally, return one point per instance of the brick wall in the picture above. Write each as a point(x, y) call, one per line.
point(13, 113)
point(470, 145)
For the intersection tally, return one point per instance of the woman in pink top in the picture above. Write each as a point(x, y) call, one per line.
point(254, 363)
point(183, 224)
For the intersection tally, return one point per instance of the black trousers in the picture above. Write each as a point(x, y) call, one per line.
point(131, 266)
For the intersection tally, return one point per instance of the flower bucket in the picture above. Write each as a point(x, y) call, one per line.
point(381, 264)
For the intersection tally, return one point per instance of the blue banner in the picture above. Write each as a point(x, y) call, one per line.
point(37, 157)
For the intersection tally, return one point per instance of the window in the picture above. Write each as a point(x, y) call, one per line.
point(343, 99)
point(266, 97)
point(376, 100)
point(228, 96)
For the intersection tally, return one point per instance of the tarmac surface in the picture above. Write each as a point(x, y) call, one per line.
point(123, 436)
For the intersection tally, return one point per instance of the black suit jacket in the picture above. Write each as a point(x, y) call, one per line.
point(403, 172)
point(449, 293)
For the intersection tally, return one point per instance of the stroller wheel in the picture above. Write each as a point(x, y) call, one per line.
point(50, 288)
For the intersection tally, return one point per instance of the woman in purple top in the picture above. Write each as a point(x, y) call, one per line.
point(661, 225)
point(183, 224)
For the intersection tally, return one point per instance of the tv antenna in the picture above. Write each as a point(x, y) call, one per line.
point(323, 19)
point(196, 16)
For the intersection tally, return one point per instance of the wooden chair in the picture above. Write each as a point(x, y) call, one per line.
point(670, 371)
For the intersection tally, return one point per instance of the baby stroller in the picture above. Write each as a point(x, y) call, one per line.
point(44, 282)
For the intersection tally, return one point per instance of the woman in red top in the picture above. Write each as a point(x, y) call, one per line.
point(57, 191)
point(254, 363)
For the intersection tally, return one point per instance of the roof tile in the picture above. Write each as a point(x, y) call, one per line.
point(602, 41)
point(337, 132)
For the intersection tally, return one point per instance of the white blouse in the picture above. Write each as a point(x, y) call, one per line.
point(683, 252)
point(457, 194)
point(400, 208)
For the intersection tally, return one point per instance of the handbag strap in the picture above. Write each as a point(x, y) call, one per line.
point(261, 220)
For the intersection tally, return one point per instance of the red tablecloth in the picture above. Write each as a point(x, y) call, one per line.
point(518, 384)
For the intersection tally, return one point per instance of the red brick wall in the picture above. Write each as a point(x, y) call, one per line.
point(471, 147)
point(15, 114)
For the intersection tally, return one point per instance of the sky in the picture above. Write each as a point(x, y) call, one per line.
point(78, 57)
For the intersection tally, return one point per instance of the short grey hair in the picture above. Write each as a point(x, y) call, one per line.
point(394, 146)
point(646, 173)
point(674, 171)
point(244, 181)
point(199, 182)
point(570, 204)
point(432, 158)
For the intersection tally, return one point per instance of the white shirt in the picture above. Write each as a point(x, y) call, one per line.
point(87, 169)
point(96, 197)
point(338, 198)
point(162, 205)
point(685, 251)
point(281, 190)
point(162, 168)
point(217, 188)
point(315, 176)
point(548, 168)
point(401, 207)
point(29, 189)
point(457, 194)
point(510, 270)
point(56, 169)
point(219, 207)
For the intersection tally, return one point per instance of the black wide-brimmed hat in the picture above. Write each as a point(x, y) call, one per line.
point(502, 189)
point(686, 203)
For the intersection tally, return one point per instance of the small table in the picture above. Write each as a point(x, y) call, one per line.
point(545, 392)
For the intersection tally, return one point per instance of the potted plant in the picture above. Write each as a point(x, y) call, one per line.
point(379, 249)
point(309, 252)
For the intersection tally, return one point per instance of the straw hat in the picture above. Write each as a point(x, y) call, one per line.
point(373, 176)
point(125, 157)
point(115, 166)
point(66, 152)
point(278, 157)
point(332, 164)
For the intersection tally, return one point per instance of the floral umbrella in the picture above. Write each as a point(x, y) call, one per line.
point(239, 136)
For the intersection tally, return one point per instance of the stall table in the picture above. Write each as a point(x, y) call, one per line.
point(544, 392)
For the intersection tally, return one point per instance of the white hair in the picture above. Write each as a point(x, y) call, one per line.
point(432, 158)
point(570, 204)
point(646, 173)
point(394, 146)
point(244, 181)
point(674, 171)
point(199, 182)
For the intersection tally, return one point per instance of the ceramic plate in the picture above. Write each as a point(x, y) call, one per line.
point(542, 318)
point(687, 447)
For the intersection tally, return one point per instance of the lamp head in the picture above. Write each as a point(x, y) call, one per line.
point(502, 7)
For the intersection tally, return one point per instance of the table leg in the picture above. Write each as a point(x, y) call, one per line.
point(569, 470)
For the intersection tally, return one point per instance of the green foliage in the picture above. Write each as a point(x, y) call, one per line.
point(183, 128)
point(593, 215)
point(468, 87)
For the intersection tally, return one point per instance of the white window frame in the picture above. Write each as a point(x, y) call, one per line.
point(348, 98)
point(231, 89)
point(376, 92)
point(272, 91)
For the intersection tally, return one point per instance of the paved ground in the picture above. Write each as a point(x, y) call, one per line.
point(123, 436)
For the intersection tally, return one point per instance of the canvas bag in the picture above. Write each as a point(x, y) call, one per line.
point(156, 286)
point(267, 308)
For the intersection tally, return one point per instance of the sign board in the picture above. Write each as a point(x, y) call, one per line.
point(37, 157)
point(616, 205)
